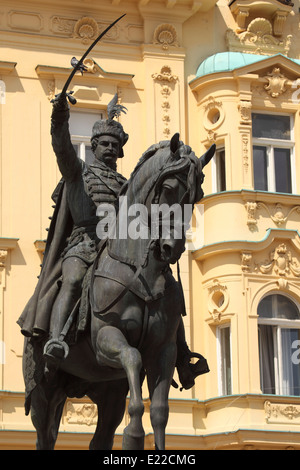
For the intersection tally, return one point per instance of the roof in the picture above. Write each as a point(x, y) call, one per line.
point(228, 61)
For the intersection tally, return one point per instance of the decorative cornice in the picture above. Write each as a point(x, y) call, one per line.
point(275, 10)
point(40, 246)
point(257, 196)
point(259, 38)
point(7, 67)
point(241, 246)
point(8, 243)
point(94, 71)
point(172, 9)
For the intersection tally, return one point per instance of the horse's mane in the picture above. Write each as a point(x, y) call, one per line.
point(145, 156)
point(187, 161)
point(156, 164)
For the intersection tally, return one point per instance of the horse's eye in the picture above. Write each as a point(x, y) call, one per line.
point(167, 188)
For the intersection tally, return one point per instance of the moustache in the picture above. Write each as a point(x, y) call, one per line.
point(109, 154)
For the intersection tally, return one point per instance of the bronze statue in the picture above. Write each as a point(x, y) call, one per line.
point(107, 312)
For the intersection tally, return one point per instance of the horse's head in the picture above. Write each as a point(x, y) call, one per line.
point(177, 188)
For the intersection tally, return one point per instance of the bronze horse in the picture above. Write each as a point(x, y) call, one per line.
point(135, 310)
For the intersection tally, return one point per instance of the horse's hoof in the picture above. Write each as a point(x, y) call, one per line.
point(133, 442)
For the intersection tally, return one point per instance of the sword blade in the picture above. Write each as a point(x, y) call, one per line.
point(65, 88)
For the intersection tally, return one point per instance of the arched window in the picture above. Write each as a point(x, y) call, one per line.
point(279, 345)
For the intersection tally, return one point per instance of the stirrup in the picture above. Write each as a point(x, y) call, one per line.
point(55, 350)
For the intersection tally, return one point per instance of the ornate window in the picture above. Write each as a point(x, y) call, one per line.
point(81, 124)
point(224, 359)
point(273, 153)
point(279, 343)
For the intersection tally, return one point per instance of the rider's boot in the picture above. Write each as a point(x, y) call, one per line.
point(187, 371)
point(55, 351)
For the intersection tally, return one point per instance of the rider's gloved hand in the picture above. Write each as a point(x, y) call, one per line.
point(60, 102)
point(61, 108)
point(60, 111)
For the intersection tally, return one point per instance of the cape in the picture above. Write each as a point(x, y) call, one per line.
point(35, 318)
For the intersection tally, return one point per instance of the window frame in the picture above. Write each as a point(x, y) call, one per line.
point(215, 175)
point(270, 144)
point(81, 141)
point(222, 376)
point(278, 324)
point(85, 140)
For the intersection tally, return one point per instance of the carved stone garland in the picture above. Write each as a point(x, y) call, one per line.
point(165, 78)
point(281, 263)
point(277, 216)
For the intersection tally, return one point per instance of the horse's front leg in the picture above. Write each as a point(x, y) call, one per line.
point(113, 350)
point(159, 375)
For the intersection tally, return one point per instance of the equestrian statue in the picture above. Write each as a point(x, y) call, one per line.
point(107, 311)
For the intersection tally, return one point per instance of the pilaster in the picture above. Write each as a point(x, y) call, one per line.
point(6, 246)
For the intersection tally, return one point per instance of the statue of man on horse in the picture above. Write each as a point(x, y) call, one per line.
point(81, 273)
point(85, 187)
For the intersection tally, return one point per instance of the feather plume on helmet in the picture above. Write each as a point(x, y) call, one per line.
point(109, 126)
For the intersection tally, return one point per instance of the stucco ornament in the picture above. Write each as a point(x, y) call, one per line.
point(276, 83)
point(86, 29)
point(218, 299)
point(166, 35)
point(281, 262)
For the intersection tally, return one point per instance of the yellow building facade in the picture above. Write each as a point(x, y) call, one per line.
point(224, 72)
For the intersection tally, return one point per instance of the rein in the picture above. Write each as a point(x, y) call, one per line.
point(134, 278)
point(126, 288)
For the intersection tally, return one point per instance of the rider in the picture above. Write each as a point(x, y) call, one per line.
point(87, 186)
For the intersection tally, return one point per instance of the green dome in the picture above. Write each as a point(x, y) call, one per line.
point(227, 61)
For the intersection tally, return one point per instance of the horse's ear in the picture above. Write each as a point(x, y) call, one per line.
point(174, 146)
point(205, 159)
